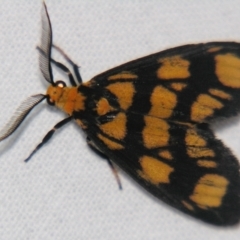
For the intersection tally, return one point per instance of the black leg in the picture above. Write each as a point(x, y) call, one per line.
point(48, 136)
point(101, 154)
point(66, 70)
point(74, 65)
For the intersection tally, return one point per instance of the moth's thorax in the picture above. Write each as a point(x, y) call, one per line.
point(68, 99)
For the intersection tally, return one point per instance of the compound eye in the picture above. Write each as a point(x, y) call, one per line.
point(60, 84)
point(50, 101)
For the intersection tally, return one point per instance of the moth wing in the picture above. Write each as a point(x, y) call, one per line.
point(150, 116)
point(193, 83)
point(183, 165)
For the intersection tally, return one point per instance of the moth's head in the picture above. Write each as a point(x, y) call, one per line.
point(54, 92)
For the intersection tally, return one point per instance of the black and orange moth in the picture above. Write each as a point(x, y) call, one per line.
point(152, 117)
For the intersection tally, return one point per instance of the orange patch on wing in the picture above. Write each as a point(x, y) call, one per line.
point(154, 171)
point(123, 76)
point(206, 163)
point(103, 107)
point(209, 190)
point(220, 93)
point(117, 127)
point(173, 68)
point(124, 92)
point(110, 143)
point(198, 152)
point(204, 107)
point(178, 86)
point(165, 154)
point(228, 69)
point(155, 133)
point(193, 139)
point(163, 102)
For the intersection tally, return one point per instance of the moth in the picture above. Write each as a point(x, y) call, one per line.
point(152, 117)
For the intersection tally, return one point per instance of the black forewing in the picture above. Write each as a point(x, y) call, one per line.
point(203, 77)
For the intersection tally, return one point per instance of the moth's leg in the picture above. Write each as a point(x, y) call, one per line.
point(73, 64)
point(66, 70)
point(101, 154)
point(48, 136)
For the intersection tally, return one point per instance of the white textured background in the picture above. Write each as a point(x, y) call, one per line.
point(66, 191)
